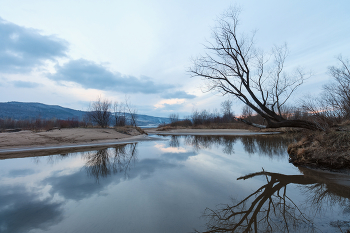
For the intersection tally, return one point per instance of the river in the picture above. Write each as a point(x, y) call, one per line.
point(173, 184)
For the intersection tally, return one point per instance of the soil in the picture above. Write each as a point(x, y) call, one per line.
point(329, 150)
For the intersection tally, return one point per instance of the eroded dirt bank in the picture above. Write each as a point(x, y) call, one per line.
point(322, 150)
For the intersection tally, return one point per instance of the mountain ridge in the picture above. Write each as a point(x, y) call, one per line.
point(31, 110)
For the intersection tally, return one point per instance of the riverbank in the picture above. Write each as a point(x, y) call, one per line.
point(329, 150)
point(325, 150)
point(29, 143)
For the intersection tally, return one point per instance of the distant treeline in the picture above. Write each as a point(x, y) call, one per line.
point(223, 119)
point(41, 124)
point(227, 119)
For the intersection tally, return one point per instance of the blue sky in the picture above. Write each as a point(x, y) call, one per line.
point(69, 52)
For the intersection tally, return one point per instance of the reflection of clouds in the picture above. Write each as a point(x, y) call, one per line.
point(74, 186)
point(21, 211)
point(106, 167)
point(78, 186)
point(164, 149)
point(179, 156)
point(20, 172)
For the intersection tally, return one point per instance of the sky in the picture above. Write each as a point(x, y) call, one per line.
point(68, 53)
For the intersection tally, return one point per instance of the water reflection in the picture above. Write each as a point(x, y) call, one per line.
point(266, 145)
point(270, 209)
point(25, 208)
point(104, 162)
point(112, 189)
point(21, 210)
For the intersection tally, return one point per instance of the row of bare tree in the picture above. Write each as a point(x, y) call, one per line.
point(205, 117)
point(102, 111)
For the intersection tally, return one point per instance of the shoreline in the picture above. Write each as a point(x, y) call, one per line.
point(22, 152)
point(209, 132)
point(30, 144)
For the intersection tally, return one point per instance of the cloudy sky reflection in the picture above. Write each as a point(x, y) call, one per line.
point(160, 186)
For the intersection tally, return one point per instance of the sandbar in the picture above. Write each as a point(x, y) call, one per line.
point(29, 144)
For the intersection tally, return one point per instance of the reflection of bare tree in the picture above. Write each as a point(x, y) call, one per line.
point(206, 142)
point(330, 189)
point(269, 145)
point(104, 162)
point(174, 141)
point(269, 209)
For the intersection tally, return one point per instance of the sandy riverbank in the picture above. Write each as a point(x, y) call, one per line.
point(24, 139)
point(28, 143)
point(59, 137)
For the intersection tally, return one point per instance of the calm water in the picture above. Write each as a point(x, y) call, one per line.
point(177, 184)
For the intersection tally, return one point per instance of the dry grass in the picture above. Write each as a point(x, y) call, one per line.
point(322, 149)
point(130, 130)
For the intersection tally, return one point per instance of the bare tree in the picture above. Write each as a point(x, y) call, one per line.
point(100, 112)
point(132, 113)
point(333, 106)
point(234, 66)
point(226, 108)
point(337, 94)
point(174, 117)
point(247, 112)
point(119, 114)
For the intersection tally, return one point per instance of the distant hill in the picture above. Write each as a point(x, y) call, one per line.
point(24, 111)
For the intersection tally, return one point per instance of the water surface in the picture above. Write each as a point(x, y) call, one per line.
point(180, 184)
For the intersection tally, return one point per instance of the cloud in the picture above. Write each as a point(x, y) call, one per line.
point(21, 172)
point(91, 75)
point(24, 84)
point(179, 156)
point(178, 94)
point(169, 102)
point(22, 210)
point(22, 49)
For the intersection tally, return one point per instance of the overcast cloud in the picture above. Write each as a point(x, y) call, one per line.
point(23, 49)
point(92, 75)
point(25, 84)
point(143, 49)
point(177, 94)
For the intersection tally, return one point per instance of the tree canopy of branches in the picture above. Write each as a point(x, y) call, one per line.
point(338, 92)
point(232, 65)
point(333, 106)
point(226, 110)
point(100, 112)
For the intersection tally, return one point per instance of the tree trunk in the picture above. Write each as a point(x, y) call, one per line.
point(285, 123)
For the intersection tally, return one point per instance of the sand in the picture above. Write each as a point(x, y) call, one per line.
point(58, 137)
point(29, 144)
